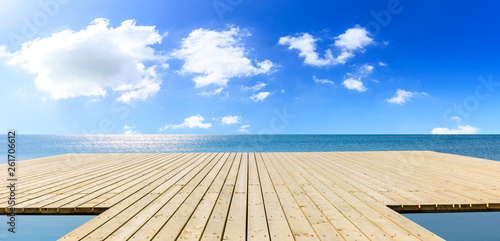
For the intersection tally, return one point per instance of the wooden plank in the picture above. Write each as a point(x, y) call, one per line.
point(91, 183)
point(236, 221)
point(299, 224)
point(317, 219)
point(422, 184)
point(193, 229)
point(145, 194)
point(257, 221)
point(216, 178)
point(214, 229)
point(151, 228)
point(342, 223)
point(44, 174)
point(341, 199)
point(120, 185)
point(403, 184)
point(55, 183)
point(385, 220)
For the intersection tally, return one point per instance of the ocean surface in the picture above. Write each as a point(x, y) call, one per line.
point(456, 226)
point(34, 146)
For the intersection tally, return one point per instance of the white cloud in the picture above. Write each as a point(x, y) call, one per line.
point(229, 120)
point(165, 127)
point(456, 118)
point(354, 84)
point(365, 70)
point(382, 64)
point(217, 57)
point(254, 88)
point(353, 81)
point(402, 96)
point(467, 129)
point(306, 44)
point(129, 130)
point(362, 71)
point(93, 61)
point(211, 93)
point(195, 121)
point(322, 81)
point(353, 39)
point(259, 96)
point(3, 51)
point(243, 128)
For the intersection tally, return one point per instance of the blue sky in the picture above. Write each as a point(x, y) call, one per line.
point(228, 67)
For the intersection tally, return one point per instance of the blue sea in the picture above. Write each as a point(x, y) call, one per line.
point(452, 226)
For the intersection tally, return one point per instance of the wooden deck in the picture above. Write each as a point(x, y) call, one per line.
point(255, 196)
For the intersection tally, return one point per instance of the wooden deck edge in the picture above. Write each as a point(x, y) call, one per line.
point(429, 208)
point(446, 208)
point(54, 211)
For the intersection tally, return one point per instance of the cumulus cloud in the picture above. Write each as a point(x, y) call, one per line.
point(259, 96)
point(380, 63)
point(93, 61)
point(129, 130)
point(211, 93)
point(402, 96)
point(322, 81)
point(354, 84)
point(353, 80)
point(229, 120)
point(192, 122)
point(306, 45)
point(353, 39)
point(467, 129)
point(243, 128)
point(254, 88)
point(364, 70)
point(216, 57)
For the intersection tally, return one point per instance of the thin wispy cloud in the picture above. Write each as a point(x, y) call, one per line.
point(244, 128)
point(94, 61)
point(403, 96)
point(254, 88)
point(216, 57)
point(466, 129)
point(129, 130)
point(211, 93)
point(261, 96)
point(231, 119)
point(196, 121)
point(322, 81)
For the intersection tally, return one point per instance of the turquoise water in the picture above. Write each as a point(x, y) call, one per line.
point(459, 226)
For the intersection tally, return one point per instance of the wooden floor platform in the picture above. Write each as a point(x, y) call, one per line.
point(254, 196)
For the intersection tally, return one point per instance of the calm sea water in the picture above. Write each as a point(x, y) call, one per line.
point(33, 146)
point(457, 226)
